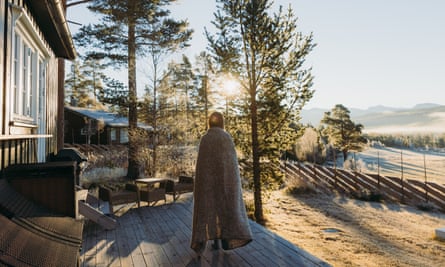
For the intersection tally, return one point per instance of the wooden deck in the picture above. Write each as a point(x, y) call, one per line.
point(160, 236)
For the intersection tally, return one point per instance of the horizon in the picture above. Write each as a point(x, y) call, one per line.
point(367, 54)
point(379, 106)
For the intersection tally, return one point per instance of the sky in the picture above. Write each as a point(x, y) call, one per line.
point(368, 53)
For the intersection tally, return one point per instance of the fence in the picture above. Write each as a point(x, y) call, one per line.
point(352, 183)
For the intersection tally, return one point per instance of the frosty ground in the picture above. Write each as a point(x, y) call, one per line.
point(349, 232)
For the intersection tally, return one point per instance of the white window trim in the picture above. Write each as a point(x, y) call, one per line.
point(22, 26)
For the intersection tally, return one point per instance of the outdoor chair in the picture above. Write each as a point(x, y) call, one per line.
point(153, 192)
point(184, 184)
point(129, 194)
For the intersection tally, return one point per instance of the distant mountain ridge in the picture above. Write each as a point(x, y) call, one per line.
point(425, 117)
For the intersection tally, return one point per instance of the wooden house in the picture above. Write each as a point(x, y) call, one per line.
point(38, 198)
point(35, 41)
point(91, 126)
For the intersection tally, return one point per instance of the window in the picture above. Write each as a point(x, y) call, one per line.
point(124, 136)
point(28, 77)
point(113, 135)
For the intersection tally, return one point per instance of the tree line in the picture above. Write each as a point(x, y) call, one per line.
point(261, 49)
point(427, 141)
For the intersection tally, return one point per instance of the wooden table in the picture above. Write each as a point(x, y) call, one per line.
point(151, 180)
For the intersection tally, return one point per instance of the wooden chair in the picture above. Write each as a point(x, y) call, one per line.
point(153, 192)
point(128, 195)
point(183, 185)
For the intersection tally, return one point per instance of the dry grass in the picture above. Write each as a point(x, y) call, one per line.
point(409, 163)
point(350, 232)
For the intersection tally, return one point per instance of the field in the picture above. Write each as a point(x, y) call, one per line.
point(409, 164)
point(352, 233)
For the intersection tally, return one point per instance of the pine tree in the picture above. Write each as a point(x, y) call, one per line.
point(341, 131)
point(202, 95)
point(267, 54)
point(115, 95)
point(128, 29)
point(77, 86)
point(93, 72)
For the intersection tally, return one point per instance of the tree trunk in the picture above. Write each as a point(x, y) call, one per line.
point(259, 217)
point(345, 155)
point(133, 164)
point(256, 167)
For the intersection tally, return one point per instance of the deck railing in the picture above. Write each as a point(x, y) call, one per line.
point(19, 149)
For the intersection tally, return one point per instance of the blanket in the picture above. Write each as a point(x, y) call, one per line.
point(218, 208)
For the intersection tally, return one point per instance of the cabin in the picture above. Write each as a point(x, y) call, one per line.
point(38, 197)
point(92, 126)
point(36, 42)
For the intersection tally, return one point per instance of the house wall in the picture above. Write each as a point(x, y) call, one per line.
point(2, 54)
point(72, 128)
point(74, 123)
point(30, 138)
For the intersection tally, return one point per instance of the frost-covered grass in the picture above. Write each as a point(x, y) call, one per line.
point(108, 164)
point(412, 163)
point(102, 175)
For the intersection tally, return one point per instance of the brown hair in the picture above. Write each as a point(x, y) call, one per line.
point(216, 119)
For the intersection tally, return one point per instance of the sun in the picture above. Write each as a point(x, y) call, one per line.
point(230, 87)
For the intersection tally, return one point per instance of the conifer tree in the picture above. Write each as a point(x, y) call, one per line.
point(341, 131)
point(202, 95)
point(266, 52)
point(128, 29)
point(78, 86)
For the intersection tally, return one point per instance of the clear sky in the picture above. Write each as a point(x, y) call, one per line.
point(368, 53)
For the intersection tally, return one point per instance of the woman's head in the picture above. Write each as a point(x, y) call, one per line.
point(216, 119)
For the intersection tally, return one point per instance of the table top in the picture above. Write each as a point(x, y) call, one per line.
point(151, 180)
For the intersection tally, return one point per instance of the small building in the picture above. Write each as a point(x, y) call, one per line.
point(90, 126)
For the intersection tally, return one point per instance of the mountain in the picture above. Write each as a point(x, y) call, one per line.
point(426, 117)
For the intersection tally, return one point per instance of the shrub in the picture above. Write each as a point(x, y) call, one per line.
point(298, 187)
point(367, 195)
point(426, 206)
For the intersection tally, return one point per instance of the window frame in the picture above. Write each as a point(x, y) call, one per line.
point(29, 54)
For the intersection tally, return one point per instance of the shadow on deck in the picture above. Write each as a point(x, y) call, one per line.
point(160, 236)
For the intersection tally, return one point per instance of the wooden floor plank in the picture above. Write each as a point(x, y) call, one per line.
point(160, 236)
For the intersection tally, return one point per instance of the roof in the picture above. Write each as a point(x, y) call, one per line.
point(50, 15)
point(110, 119)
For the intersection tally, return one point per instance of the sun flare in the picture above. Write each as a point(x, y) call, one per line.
point(228, 89)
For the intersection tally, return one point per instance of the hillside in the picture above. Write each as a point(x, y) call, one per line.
point(380, 119)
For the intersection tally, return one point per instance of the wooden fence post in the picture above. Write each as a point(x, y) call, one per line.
point(401, 175)
point(378, 169)
point(426, 183)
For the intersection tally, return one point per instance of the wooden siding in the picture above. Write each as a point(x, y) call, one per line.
point(74, 122)
point(2, 60)
point(52, 105)
point(18, 143)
